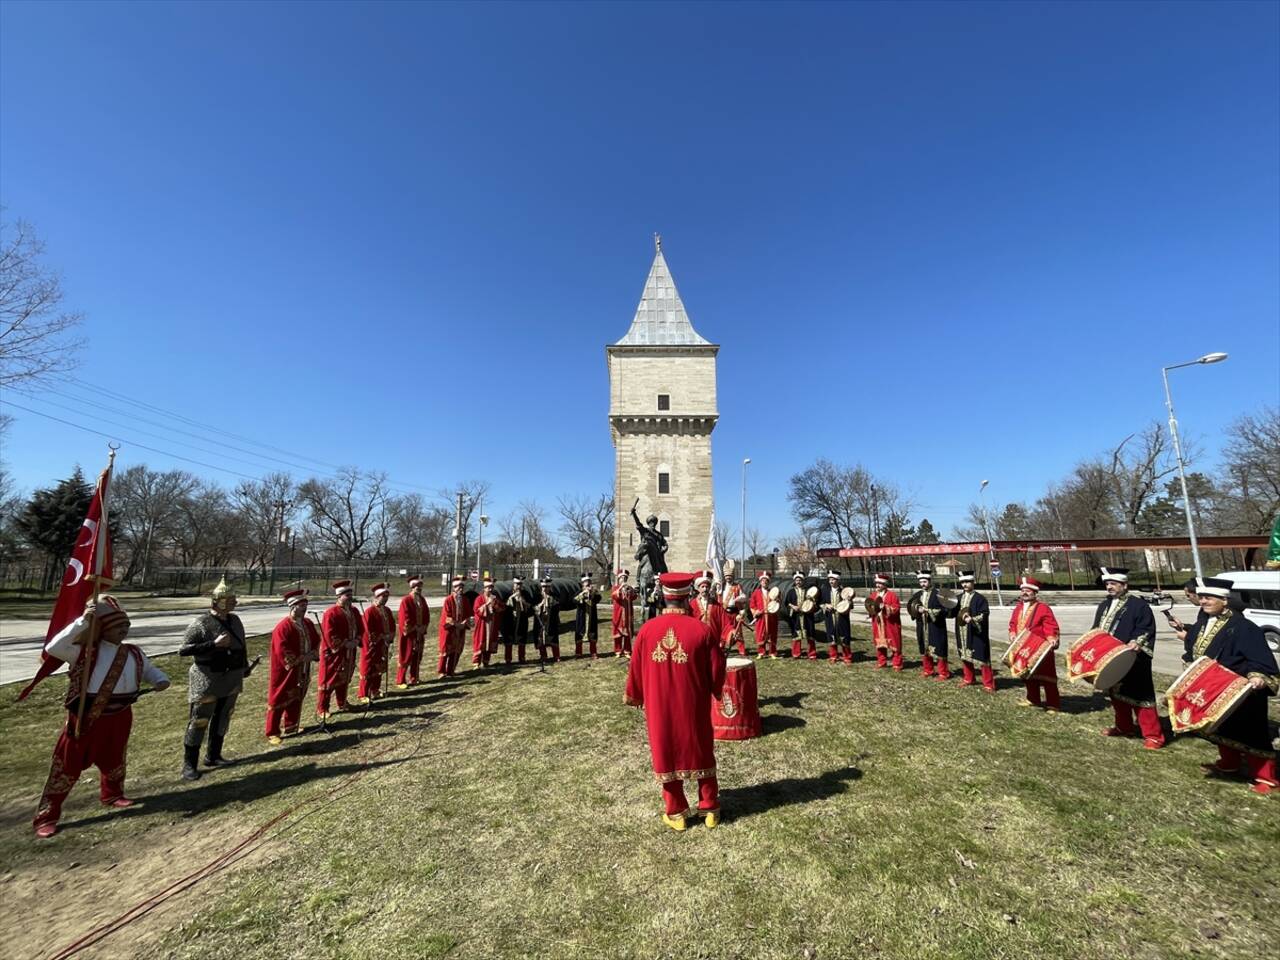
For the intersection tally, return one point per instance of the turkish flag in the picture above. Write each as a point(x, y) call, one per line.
point(90, 565)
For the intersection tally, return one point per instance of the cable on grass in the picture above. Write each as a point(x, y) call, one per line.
point(243, 849)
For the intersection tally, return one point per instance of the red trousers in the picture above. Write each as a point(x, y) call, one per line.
point(894, 648)
point(373, 663)
point(1261, 770)
point(103, 746)
point(708, 796)
point(621, 645)
point(1148, 720)
point(988, 678)
point(926, 667)
point(796, 651)
point(284, 718)
point(410, 657)
point(1045, 677)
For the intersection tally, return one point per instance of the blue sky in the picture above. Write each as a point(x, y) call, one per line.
point(401, 235)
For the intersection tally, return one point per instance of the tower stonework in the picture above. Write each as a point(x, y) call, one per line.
point(662, 409)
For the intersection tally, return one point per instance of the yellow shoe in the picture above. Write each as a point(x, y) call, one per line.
point(1050, 709)
point(402, 686)
point(275, 741)
point(301, 729)
point(713, 819)
point(322, 716)
point(1025, 703)
point(676, 823)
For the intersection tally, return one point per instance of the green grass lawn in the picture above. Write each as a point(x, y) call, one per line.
point(514, 814)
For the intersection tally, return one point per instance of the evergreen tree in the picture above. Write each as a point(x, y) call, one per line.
point(52, 519)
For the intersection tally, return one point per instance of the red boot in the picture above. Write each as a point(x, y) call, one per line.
point(988, 679)
point(926, 665)
point(966, 668)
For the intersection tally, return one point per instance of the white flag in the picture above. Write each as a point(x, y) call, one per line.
point(715, 552)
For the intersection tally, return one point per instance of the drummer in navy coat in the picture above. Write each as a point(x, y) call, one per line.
point(1129, 620)
point(973, 634)
point(1244, 738)
point(931, 627)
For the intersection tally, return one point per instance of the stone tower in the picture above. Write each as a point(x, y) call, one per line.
point(662, 409)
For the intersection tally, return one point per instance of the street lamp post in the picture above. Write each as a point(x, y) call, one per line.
point(1177, 449)
point(743, 572)
point(991, 553)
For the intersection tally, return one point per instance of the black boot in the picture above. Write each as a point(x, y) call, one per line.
point(190, 757)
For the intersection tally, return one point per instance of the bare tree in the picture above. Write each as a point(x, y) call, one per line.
point(267, 506)
point(147, 505)
point(1252, 472)
point(588, 525)
point(418, 530)
point(35, 338)
point(839, 505)
point(524, 529)
point(343, 513)
point(208, 531)
point(1138, 468)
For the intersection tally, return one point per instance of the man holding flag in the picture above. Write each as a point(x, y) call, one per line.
point(106, 673)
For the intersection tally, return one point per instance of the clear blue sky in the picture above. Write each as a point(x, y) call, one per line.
point(401, 235)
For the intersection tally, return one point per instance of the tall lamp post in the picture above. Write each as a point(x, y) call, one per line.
point(1177, 449)
point(743, 572)
point(991, 553)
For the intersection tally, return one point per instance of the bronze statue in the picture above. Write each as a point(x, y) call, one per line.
point(653, 545)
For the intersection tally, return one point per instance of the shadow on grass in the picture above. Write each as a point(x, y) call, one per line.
point(209, 794)
point(1084, 703)
point(779, 722)
point(790, 701)
point(739, 802)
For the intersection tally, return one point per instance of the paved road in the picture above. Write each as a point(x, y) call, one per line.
point(21, 640)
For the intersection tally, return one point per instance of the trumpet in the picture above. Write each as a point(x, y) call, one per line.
point(544, 607)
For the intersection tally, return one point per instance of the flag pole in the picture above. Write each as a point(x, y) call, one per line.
point(89, 654)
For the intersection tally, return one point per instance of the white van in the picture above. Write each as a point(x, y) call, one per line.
point(1258, 592)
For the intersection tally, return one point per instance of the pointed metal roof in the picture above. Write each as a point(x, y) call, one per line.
point(660, 319)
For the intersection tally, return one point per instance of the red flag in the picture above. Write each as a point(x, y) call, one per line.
point(90, 565)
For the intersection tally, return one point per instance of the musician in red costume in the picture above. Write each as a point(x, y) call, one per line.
point(676, 670)
point(295, 645)
point(413, 620)
point(886, 626)
point(487, 612)
point(622, 619)
point(342, 632)
point(454, 620)
point(766, 623)
point(706, 607)
point(375, 652)
point(115, 680)
point(1029, 613)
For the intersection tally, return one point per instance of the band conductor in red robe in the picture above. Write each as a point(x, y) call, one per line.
point(676, 669)
point(295, 645)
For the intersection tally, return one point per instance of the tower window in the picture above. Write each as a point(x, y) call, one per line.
point(664, 401)
point(664, 483)
point(664, 527)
